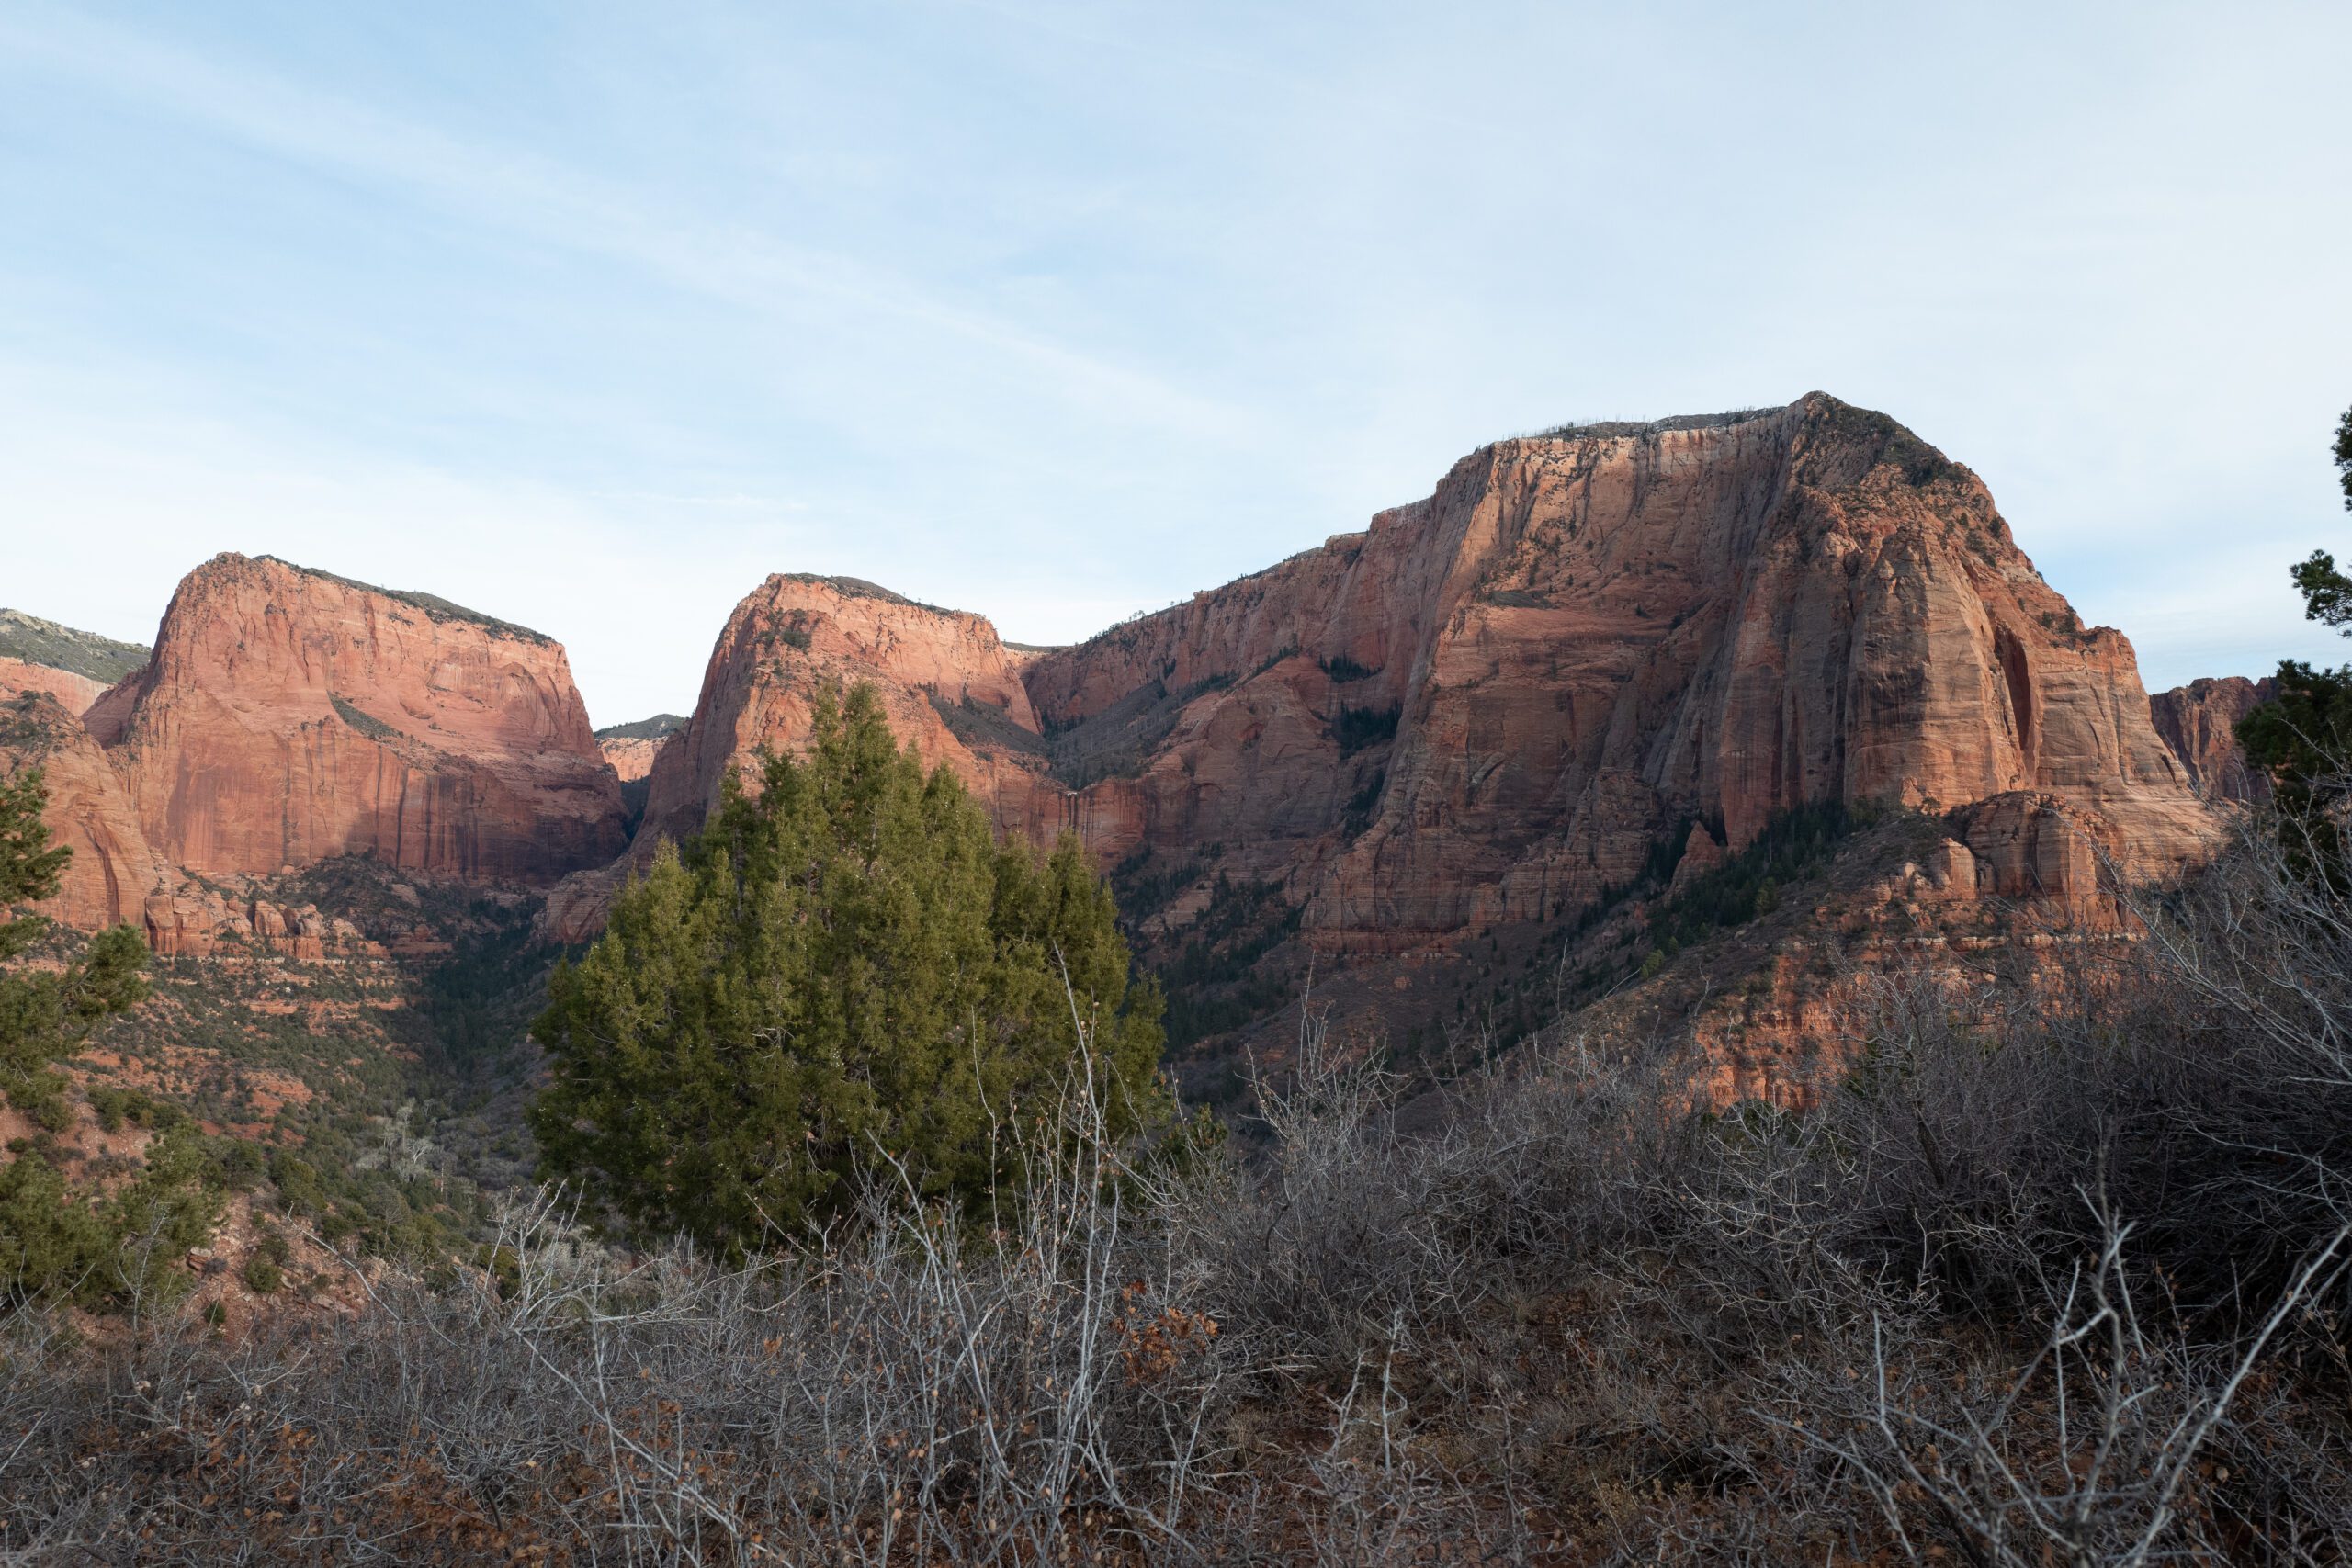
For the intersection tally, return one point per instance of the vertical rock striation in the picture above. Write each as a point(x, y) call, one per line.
point(1496, 704)
point(289, 716)
point(2200, 722)
point(114, 870)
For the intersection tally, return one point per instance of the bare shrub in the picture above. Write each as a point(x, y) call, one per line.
point(2056, 1282)
point(920, 1391)
point(2093, 1453)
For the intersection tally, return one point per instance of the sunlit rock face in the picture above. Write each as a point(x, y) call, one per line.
point(289, 716)
point(113, 868)
point(950, 684)
point(1589, 637)
point(1492, 703)
point(74, 693)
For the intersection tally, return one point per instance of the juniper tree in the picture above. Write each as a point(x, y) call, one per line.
point(46, 1013)
point(58, 1237)
point(844, 968)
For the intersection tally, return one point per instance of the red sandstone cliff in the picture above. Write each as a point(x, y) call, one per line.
point(631, 758)
point(74, 693)
point(289, 716)
point(2200, 722)
point(631, 747)
point(1490, 705)
point(950, 686)
point(1587, 636)
point(114, 876)
point(114, 869)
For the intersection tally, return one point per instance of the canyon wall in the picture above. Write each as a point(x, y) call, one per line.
point(114, 869)
point(629, 759)
point(2200, 722)
point(74, 693)
point(1491, 707)
point(948, 682)
point(1584, 637)
point(289, 716)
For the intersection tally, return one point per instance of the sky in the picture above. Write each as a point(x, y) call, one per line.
point(592, 315)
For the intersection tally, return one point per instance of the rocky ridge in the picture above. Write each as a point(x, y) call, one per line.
point(1489, 711)
point(1487, 714)
point(103, 661)
point(1492, 703)
point(1586, 638)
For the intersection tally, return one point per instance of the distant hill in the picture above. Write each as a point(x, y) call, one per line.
point(653, 728)
point(36, 641)
point(630, 748)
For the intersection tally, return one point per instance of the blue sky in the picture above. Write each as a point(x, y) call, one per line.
point(591, 315)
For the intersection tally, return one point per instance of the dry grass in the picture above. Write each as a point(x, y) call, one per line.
point(2068, 1289)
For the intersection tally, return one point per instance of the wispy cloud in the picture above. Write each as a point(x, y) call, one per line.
point(1055, 310)
point(529, 193)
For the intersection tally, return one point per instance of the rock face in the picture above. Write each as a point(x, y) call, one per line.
point(629, 750)
point(74, 693)
point(1517, 687)
point(2200, 722)
point(289, 716)
point(198, 921)
point(631, 747)
point(949, 684)
point(114, 869)
point(1496, 704)
point(115, 875)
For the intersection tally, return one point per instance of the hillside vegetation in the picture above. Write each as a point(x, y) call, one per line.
point(36, 641)
point(2067, 1286)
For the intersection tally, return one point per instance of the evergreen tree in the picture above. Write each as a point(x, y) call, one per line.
point(846, 966)
point(2303, 739)
point(2344, 457)
point(45, 1015)
point(58, 1239)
